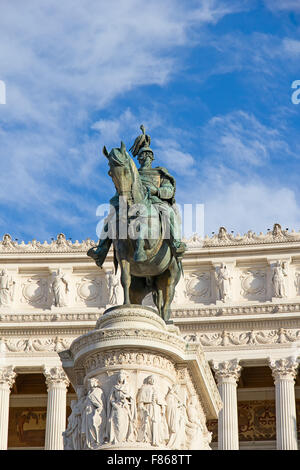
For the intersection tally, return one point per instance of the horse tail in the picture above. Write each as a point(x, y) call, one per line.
point(115, 261)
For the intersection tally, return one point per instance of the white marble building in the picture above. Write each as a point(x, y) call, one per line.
point(240, 299)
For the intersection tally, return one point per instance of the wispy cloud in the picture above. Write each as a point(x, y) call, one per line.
point(64, 64)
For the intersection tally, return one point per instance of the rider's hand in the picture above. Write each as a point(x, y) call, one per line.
point(153, 190)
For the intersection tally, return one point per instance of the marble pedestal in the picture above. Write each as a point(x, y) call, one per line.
point(139, 384)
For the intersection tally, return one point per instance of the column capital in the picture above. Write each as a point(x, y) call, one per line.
point(55, 376)
point(227, 370)
point(284, 369)
point(7, 376)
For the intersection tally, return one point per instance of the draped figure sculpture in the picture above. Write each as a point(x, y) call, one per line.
point(60, 288)
point(151, 413)
point(176, 417)
point(94, 416)
point(121, 412)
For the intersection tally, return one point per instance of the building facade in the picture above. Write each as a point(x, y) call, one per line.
point(239, 298)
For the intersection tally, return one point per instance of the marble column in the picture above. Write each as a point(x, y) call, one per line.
point(7, 378)
point(57, 383)
point(284, 372)
point(227, 374)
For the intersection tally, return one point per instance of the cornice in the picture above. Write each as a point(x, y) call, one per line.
point(223, 240)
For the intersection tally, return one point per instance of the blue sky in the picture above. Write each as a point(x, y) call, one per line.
point(209, 79)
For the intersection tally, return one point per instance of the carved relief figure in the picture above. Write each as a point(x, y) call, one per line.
point(194, 430)
point(121, 412)
point(93, 416)
point(176, 417)
point(6, 288)
point(279, 273)
point(72, 435)
point(60, 288)
point(223, 282)
point(151, 414)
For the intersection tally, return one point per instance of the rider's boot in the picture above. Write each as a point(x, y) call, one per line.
point(99, 253)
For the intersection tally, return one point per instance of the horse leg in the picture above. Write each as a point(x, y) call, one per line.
point(167, 282)
point(125, 280)
point(138, 290)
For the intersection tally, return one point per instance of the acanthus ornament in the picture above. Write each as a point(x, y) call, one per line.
point(284, 369)
point(55, 376)
point(227, 370)
point(7, 376)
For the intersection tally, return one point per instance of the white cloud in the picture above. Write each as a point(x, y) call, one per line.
point(242, 140)
point(62, 62)
point(254, 206)
point(279, 5)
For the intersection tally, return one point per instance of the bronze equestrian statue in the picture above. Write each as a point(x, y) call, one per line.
point(150, 252)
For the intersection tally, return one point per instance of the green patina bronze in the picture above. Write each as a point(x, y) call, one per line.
point(150, 261)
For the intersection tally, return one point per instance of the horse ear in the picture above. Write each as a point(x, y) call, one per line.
point(105, 152)
point(123, 148)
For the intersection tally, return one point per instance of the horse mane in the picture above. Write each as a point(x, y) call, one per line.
point(138, 190)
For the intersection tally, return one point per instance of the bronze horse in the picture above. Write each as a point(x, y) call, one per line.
point(161, 271)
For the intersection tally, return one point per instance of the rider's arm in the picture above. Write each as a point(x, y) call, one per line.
point(166, 190)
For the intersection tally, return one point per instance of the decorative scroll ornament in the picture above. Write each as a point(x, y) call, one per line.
point(253, 283)
point(198, 286)
point(35, 291)
point(89, 290)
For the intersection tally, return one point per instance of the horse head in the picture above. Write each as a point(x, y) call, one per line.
point(124, 174)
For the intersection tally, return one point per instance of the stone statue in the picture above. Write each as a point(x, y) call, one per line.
point(121, 412)
point(194, 429)
point(176, 418)
point(60, 288)
point(93, 416)
point(6, 288)
point(223, 283)
point(279, 273)
point(150, 253)
point(151, 413)
point(113, 285)
point(72, 435)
